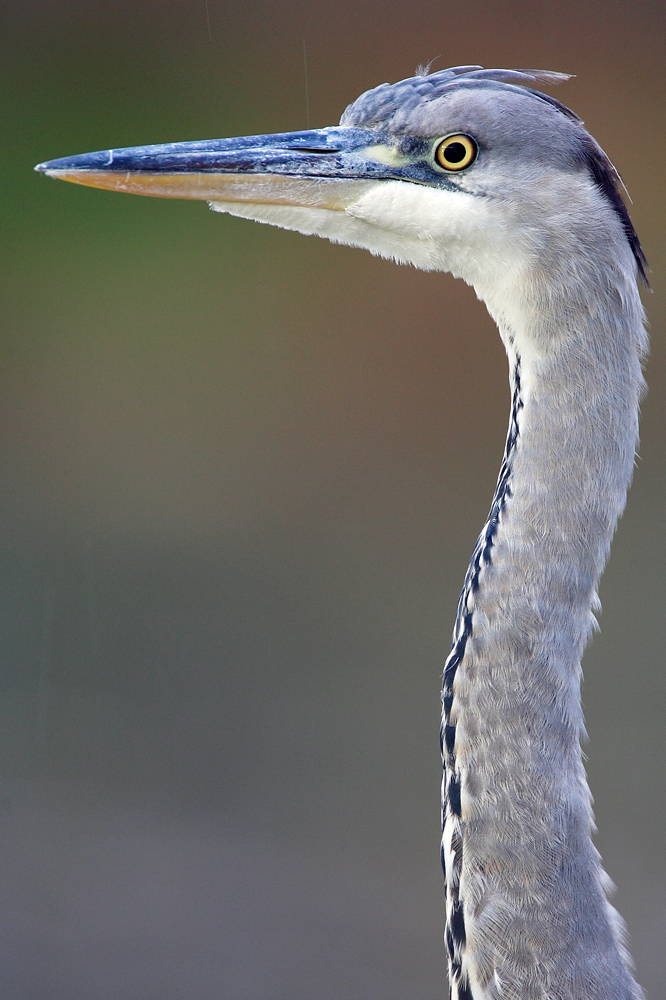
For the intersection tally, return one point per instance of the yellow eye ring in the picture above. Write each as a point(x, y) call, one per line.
point(455, 152)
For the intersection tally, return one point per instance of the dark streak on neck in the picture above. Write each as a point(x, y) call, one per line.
point(451, 806)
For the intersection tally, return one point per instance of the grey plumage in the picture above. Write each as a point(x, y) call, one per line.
point(534, 220)
point(409, 108)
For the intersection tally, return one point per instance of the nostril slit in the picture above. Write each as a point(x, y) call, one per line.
point(314, 149)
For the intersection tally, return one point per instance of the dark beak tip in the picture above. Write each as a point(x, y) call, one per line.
point(86, 162)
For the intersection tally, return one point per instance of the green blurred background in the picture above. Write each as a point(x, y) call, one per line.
point(242, 473)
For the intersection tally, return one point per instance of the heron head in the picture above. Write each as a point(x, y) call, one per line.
point(466, 170)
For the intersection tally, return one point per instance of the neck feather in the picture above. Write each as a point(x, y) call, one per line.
point(526, 894)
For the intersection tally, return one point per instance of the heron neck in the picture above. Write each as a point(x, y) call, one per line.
point(517, 809)
point(563, 483)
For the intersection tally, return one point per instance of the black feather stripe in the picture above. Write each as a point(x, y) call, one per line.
point(453, 794)
point(464, 992)
point(455, 935)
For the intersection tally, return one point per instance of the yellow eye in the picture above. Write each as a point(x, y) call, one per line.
point(455, 152)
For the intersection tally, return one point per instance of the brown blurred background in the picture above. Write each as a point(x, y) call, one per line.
point(242, 473)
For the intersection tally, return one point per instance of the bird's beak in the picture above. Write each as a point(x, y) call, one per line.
point(321, 168)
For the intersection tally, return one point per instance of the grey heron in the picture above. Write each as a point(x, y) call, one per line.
point(478, 173)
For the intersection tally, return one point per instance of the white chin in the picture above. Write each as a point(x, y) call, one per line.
point(339, 226)
point(432, 228)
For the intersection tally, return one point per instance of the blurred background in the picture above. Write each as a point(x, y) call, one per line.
point(242, 474)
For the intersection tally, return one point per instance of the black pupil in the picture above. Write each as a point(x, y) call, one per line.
point(455, 152)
